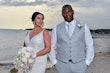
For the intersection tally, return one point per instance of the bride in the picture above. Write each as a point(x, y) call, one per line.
point(39, 39)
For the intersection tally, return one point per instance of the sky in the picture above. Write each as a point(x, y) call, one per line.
point(16, 14)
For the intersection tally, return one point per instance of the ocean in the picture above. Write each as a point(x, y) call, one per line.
point(11, 40)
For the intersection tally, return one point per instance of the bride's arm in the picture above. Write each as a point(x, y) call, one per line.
point(47, 44)
point(24, 42)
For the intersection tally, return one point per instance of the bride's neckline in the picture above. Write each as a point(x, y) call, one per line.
point(30, 38)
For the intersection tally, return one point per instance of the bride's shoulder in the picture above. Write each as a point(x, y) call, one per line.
point(45, 32)
point(27, 33)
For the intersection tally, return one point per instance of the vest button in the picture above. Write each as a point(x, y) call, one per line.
point(70, 60)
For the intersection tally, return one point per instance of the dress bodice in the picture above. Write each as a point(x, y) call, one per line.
point(36, 42)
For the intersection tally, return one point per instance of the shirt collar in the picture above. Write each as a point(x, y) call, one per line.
point(72, 22)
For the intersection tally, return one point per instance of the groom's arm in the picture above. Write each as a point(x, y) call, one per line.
point(89, 46)
point(52, 54)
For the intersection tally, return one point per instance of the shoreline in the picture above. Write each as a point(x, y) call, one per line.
point(100, 64)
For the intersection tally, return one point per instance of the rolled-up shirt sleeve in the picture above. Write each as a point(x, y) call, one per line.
point(89, 46)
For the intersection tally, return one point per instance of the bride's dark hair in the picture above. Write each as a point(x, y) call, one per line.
point(35, 14)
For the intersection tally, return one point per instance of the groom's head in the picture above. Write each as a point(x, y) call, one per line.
point(67, 13)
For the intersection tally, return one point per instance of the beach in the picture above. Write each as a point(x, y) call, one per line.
point(12, 40)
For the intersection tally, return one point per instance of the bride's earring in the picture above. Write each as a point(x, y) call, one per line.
point(33, 22)
point(42, 24)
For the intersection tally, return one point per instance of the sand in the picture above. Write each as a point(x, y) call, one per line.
point(101, 64)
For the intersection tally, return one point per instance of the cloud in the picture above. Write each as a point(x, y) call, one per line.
point(18, 2)
point(34, 2)
point(94, 12)
point(22, 2)
point(75, 3)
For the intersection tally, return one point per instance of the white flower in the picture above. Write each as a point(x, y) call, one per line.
point(24, 60)
point(28, 55)
point(19, 52)
point(22, 65)
point(23, 51)
point(80, 26)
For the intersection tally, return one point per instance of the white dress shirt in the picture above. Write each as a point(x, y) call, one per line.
point(88, 40)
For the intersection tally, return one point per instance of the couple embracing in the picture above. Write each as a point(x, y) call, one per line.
point(70, 46)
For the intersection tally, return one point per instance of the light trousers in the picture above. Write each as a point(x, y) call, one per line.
point(70, 67)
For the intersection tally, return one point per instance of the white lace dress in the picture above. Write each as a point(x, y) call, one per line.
point(37, 43)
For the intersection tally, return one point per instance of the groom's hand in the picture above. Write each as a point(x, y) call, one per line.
point(54, 65)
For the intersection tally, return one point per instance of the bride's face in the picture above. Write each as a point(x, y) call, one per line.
point(39, 20)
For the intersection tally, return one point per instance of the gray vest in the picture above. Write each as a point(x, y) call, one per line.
point(70, 48)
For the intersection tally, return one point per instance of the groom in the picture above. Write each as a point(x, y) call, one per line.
point(72, 44)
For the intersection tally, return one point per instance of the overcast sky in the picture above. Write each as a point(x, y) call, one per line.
point(16, 14)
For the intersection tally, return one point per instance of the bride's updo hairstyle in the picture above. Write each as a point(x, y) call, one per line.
point(35, 14)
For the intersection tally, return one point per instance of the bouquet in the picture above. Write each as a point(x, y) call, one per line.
point(25, 59)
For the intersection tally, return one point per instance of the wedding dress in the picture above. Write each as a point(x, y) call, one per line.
point(37, 43)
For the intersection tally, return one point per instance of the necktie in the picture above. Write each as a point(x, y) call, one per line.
point(69, 30)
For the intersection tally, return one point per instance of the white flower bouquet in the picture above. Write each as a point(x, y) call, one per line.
point(25, 59)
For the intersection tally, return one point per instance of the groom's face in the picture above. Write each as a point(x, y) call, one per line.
point(67, 13)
